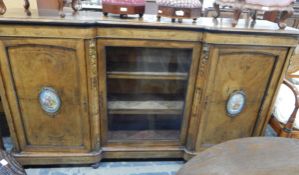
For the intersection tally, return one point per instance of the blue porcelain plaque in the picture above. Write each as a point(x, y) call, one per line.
point(235, 103)
point(49, 100)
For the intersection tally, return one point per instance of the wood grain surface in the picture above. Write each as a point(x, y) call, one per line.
point(249, 156)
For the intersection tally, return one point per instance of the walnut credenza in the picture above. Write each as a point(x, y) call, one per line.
point(88, 87)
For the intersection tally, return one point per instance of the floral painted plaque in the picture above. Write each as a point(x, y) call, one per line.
point(49, 100)
point(235, 103)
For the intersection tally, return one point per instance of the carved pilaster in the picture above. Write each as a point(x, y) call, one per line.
point(197, 97)
point(93, 62)
point(293, 65)
point(94, 95)
point(204, 59)
point(201, 77)
point(198, 100)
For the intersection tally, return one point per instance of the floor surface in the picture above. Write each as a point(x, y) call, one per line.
point(115, 167)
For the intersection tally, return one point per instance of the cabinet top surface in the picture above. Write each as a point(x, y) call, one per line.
point(89, 18)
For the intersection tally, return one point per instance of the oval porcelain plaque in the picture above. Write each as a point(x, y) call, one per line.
point(49, 100)
point(235, 103)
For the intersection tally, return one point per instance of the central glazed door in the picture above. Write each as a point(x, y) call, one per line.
point(147, 91)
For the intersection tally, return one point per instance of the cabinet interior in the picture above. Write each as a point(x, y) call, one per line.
point(146, 90)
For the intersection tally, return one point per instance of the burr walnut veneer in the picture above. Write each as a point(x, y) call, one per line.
point(88, 87)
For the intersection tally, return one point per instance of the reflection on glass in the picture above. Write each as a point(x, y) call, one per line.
point(146, 89)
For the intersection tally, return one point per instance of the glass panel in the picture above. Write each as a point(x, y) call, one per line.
point(146, 89)
point(142, 126)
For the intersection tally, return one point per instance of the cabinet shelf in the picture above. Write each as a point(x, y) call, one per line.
point(160, 66)
point(148, 75)
point(145, 107)
point(144, 135)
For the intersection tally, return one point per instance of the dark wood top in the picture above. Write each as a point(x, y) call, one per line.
point(250, 156)
point(89, 18)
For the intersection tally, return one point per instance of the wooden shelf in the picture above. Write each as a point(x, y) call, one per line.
point(144, 135)
point(148, 67)
point(146, 107)
point(148, 75)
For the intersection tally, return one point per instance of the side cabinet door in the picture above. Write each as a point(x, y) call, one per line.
point(28, 66)
point(251, 71)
